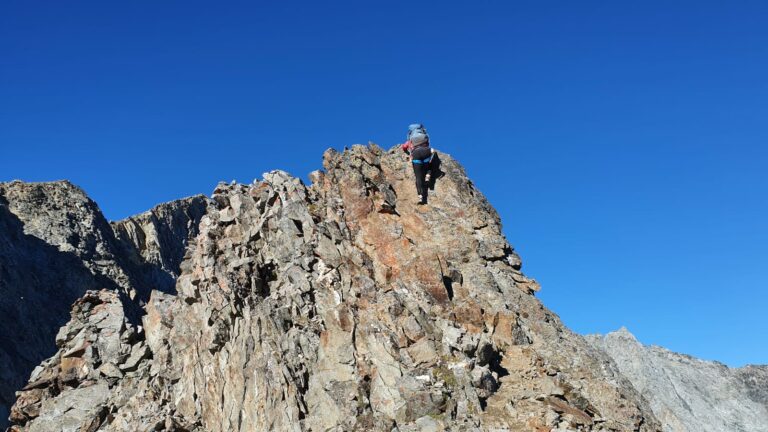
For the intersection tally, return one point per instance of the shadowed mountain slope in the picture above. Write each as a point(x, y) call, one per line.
point(54, 246)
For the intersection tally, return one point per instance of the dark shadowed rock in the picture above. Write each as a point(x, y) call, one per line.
point(155, 241)
point(54, 246)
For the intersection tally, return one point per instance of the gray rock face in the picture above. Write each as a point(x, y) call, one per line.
point(97, 347)
point(755, 379)
point(156, 240)
point(54, 246)
point(688, 394)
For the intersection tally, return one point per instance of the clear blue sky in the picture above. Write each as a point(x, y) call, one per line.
point(623, 143)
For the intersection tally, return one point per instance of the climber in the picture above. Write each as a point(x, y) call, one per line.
point(417, 146)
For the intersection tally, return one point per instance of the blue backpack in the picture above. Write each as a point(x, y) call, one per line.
point(417, 135)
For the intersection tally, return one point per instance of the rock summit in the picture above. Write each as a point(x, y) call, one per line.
point(338, 306)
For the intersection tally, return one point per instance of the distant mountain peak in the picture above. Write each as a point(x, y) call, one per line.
point(622, 333)
point(690, 394)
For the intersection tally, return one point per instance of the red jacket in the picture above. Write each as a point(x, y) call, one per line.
point(407, 147)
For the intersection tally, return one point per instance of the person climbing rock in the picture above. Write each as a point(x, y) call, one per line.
point(417, 146)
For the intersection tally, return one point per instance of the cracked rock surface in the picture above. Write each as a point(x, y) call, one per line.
point(335, 307)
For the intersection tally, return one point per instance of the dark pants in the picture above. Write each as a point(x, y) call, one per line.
point(420, 170)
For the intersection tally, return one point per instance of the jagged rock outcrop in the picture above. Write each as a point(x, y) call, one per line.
point(755, 380)
point(55, 245)
point(688, 394)
point(155, 241)
point(98, 345)
point(339, 306)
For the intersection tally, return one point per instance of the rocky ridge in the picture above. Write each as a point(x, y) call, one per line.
point(688, 394)
point(155, 241)
point(55, 245)
point(338, 306)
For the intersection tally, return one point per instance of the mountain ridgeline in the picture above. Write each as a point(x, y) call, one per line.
point(688, 394)
point(338, 306)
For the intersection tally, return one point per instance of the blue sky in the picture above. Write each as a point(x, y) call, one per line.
point(623, 143)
